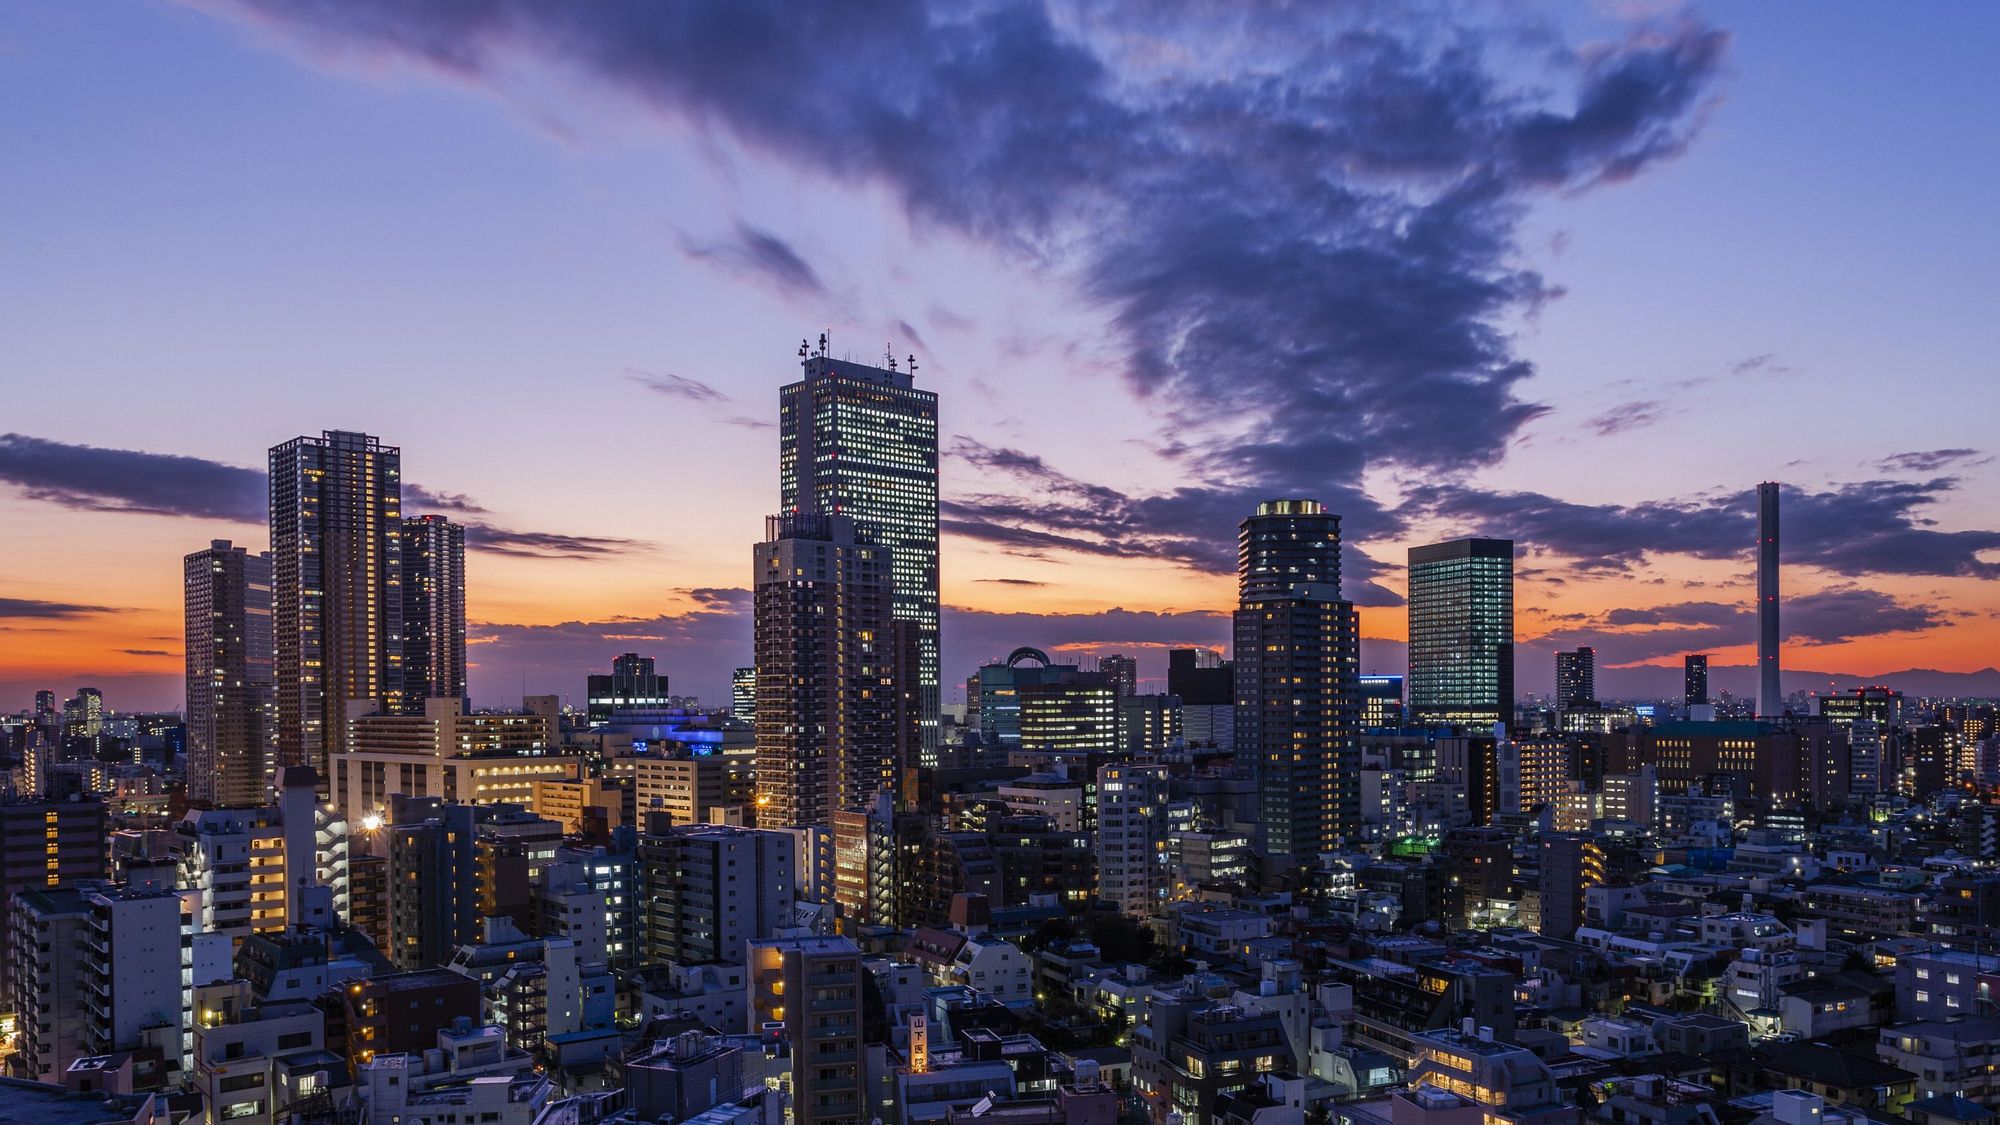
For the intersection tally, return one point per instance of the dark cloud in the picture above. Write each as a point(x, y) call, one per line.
point(1191, 526)
point(543, 544)
point(746, 422)
point(94, 479)
point(1930, 460)
point(676, 386)
point(1854, 529)
point(124, 480)
point(1629, 416)
point(1309, 262)
point(1011, 581)
point(416, 496)
point(760, 256)
point(1825, 617)
point(33, 609)
point(145, 652)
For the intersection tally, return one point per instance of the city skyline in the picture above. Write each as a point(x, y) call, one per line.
point(1083, 469)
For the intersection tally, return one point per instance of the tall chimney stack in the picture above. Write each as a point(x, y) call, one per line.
point(1770, 697)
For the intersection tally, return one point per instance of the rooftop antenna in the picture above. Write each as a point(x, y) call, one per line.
point(823, 344)
point(802, 349)
point(913, 363)
point(889, 356)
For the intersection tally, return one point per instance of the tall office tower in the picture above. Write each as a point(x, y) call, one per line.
point(1694, 678)
point(1576, 678)
point(633, 685)
point(1462, 632)
point(1121, 671)
point(743, 694)
point(826, 689)
point(861, 441)
point(433, 611)
point(336, 588)
point(1770, 696)
point(228, 644)
point(1297, 657)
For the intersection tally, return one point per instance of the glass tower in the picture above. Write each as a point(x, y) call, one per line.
point(861, 441)
point(433, 611)
point(1462, 632)
point(336, 589)
point(1296, 678)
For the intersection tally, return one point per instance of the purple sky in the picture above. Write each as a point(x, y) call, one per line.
point(1581, 278)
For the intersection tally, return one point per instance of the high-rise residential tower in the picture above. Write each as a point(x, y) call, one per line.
point(1297, 662)
point(1694, 678)
point(336, 588)
point(227, 592)
point(861, 441)
point(1576, 678)
point(826, 673)
point(1462, 632)
point(433, 611)
point(1770, 696)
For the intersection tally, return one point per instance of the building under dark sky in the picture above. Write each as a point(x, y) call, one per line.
point(336, 588)
point(861, 441)
point(1297, 659)
point(1462, 632)
point(1576, 678)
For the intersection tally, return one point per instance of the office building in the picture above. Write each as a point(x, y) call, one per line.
point(1297, 651)
point(994, 695)
point(1462, 632)
point(633, 685)
point(691, 787)
point(47, 844)
point(806, 993)
point(227, 596)
point(1381, 702)
point(481, 757)
point(1131, 838)
point(1069, 719)
point(433, 610)
point(1576, 679)
point(743, 694)
point(1200, 677)
point(1149, 724)
point(709, 889)
point(1121, 672)
point(1770, 695)
point(861, 442)
point(827, 698)
point(336, 589)
point(1694, 678)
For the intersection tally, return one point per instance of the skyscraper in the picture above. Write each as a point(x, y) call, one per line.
point(1694, 677)
point(861, 441)
point(743, 694)
point(1297, 659)
point(1576, 678)
point(433, 611)
point(227, 642)
point(1121, 671)
point(1462, 632)
point(1770, 696)
point(826, 687)
point(336, 588)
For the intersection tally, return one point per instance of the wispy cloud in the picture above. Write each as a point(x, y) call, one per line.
point(32, 609)
point(757, 255)
point(676, 386)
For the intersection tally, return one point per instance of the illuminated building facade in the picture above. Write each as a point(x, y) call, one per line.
point(1381, 702)
point(227, 597)
point(633, 685)
point(336, 588)
point(433, 610)
point(827, 705)
point(1462, 632)
point(861, 442)
point(1297, 652)
point(1694, 677)
point(1576, 678)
